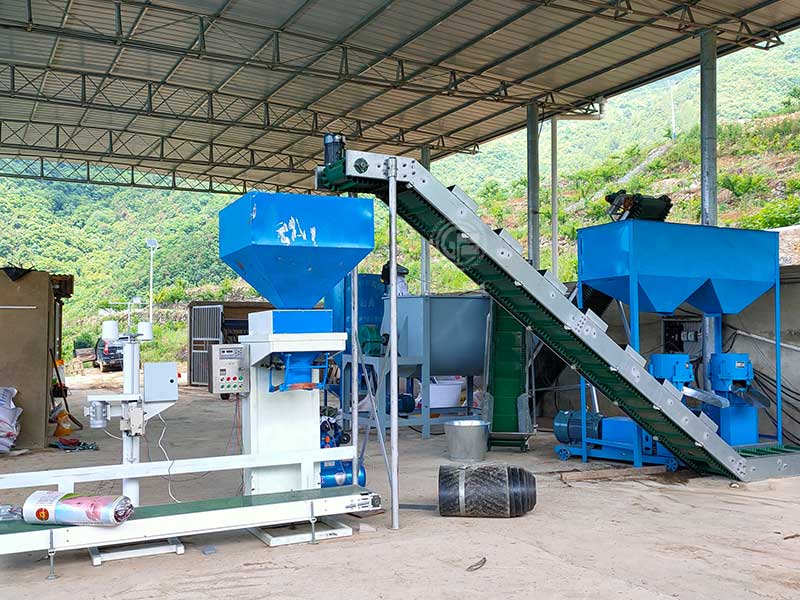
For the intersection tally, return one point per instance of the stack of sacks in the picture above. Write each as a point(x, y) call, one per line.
point(9, 419)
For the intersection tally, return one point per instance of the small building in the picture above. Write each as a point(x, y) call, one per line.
point(30, 334)
point(211, 323)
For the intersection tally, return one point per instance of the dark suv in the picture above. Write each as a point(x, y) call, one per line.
point(108, 355)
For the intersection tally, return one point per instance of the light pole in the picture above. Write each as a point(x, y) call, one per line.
point(129, 304)
point(152, 244)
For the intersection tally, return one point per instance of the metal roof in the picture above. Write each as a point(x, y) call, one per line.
point(224, 95)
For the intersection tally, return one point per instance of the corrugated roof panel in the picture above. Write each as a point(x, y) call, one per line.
point(301, 89)
point(199, 73)
point(89, 56)
point(140, 64)
point(458, 29)
point(198, 131)
point(540, 26)
point(90, 16)
point(49, 12)
point(551, 49)
point(97, 118)
point(568, 44)
point(16, 109)
point(332, 20)
point(19, 46)
point(258, 12)
point(777, 13)
point(403, 21)
point(640, 69)
point(254, 83)
point(347, 97)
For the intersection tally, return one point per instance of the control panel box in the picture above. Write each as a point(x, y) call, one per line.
point(228, 369)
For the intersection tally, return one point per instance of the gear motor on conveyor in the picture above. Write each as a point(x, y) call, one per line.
point(638, 206)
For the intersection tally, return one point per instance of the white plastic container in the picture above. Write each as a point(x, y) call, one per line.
point(110, 331)
point(145, 331)
point(446, 394)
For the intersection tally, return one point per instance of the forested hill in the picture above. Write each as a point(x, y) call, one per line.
point(750, 83)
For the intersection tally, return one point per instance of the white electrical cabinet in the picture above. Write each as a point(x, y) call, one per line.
point(160, 382)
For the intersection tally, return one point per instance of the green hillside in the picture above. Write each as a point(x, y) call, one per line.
point(98, 233)
point(749, 83)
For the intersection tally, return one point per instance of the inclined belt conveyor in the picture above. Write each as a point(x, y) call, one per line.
point(447, 218)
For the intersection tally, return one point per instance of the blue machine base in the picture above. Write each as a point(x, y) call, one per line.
point(565, 452)
point(618, 439)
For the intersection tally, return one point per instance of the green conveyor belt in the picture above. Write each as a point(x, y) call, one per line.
point(418, 212)
point(507, 378)
point(198, 506)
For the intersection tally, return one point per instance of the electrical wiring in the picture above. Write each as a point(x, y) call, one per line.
point(233, 446)
point(171, 464)
point(771, 393)
point(791, 396)
point(788, 402)
point(769, 385)
point(169, 476)
point(420, 431)
point(786, 434)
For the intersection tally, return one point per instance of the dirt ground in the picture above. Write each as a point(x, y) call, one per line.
point(658, 537)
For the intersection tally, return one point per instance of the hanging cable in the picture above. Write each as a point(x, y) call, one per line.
point(171, 464)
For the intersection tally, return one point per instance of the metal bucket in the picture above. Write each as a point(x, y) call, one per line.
point(467, 439)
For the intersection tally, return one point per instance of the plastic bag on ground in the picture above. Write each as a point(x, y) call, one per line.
point(9, 419)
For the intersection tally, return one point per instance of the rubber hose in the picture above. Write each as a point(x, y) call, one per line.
point(485, 490)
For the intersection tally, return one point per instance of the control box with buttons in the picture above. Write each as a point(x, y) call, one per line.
point(228, 369)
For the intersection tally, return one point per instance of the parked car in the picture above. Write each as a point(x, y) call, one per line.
point(108, 355)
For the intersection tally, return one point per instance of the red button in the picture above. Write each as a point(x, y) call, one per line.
point(228, 379)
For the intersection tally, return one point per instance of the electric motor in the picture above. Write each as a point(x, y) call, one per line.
point(567, 426)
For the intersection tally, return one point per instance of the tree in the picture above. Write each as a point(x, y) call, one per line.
point(792, 101)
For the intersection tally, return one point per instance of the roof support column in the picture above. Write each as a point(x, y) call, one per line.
point(708, 167)
point(554, 194)
point(425, 247)
point(708, 126)
point(533, 184)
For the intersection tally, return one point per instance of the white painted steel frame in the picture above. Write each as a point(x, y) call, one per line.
point(193, 523)
point(69, 477)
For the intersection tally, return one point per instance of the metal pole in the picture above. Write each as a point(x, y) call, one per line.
point(672, 108)
point(554, 194)
point(152, 252)
point(354, 352)
point(778, 369)
point(533, 184)
point(131, 444)
point(425, 247)
point(393, 416)
point(708, 163)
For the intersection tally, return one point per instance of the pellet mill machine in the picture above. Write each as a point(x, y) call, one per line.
point(655, 267)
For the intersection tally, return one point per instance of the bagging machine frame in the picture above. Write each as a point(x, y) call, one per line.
point(279, 387)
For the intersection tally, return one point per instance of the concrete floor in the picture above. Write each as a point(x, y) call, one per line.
point(659, 537)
